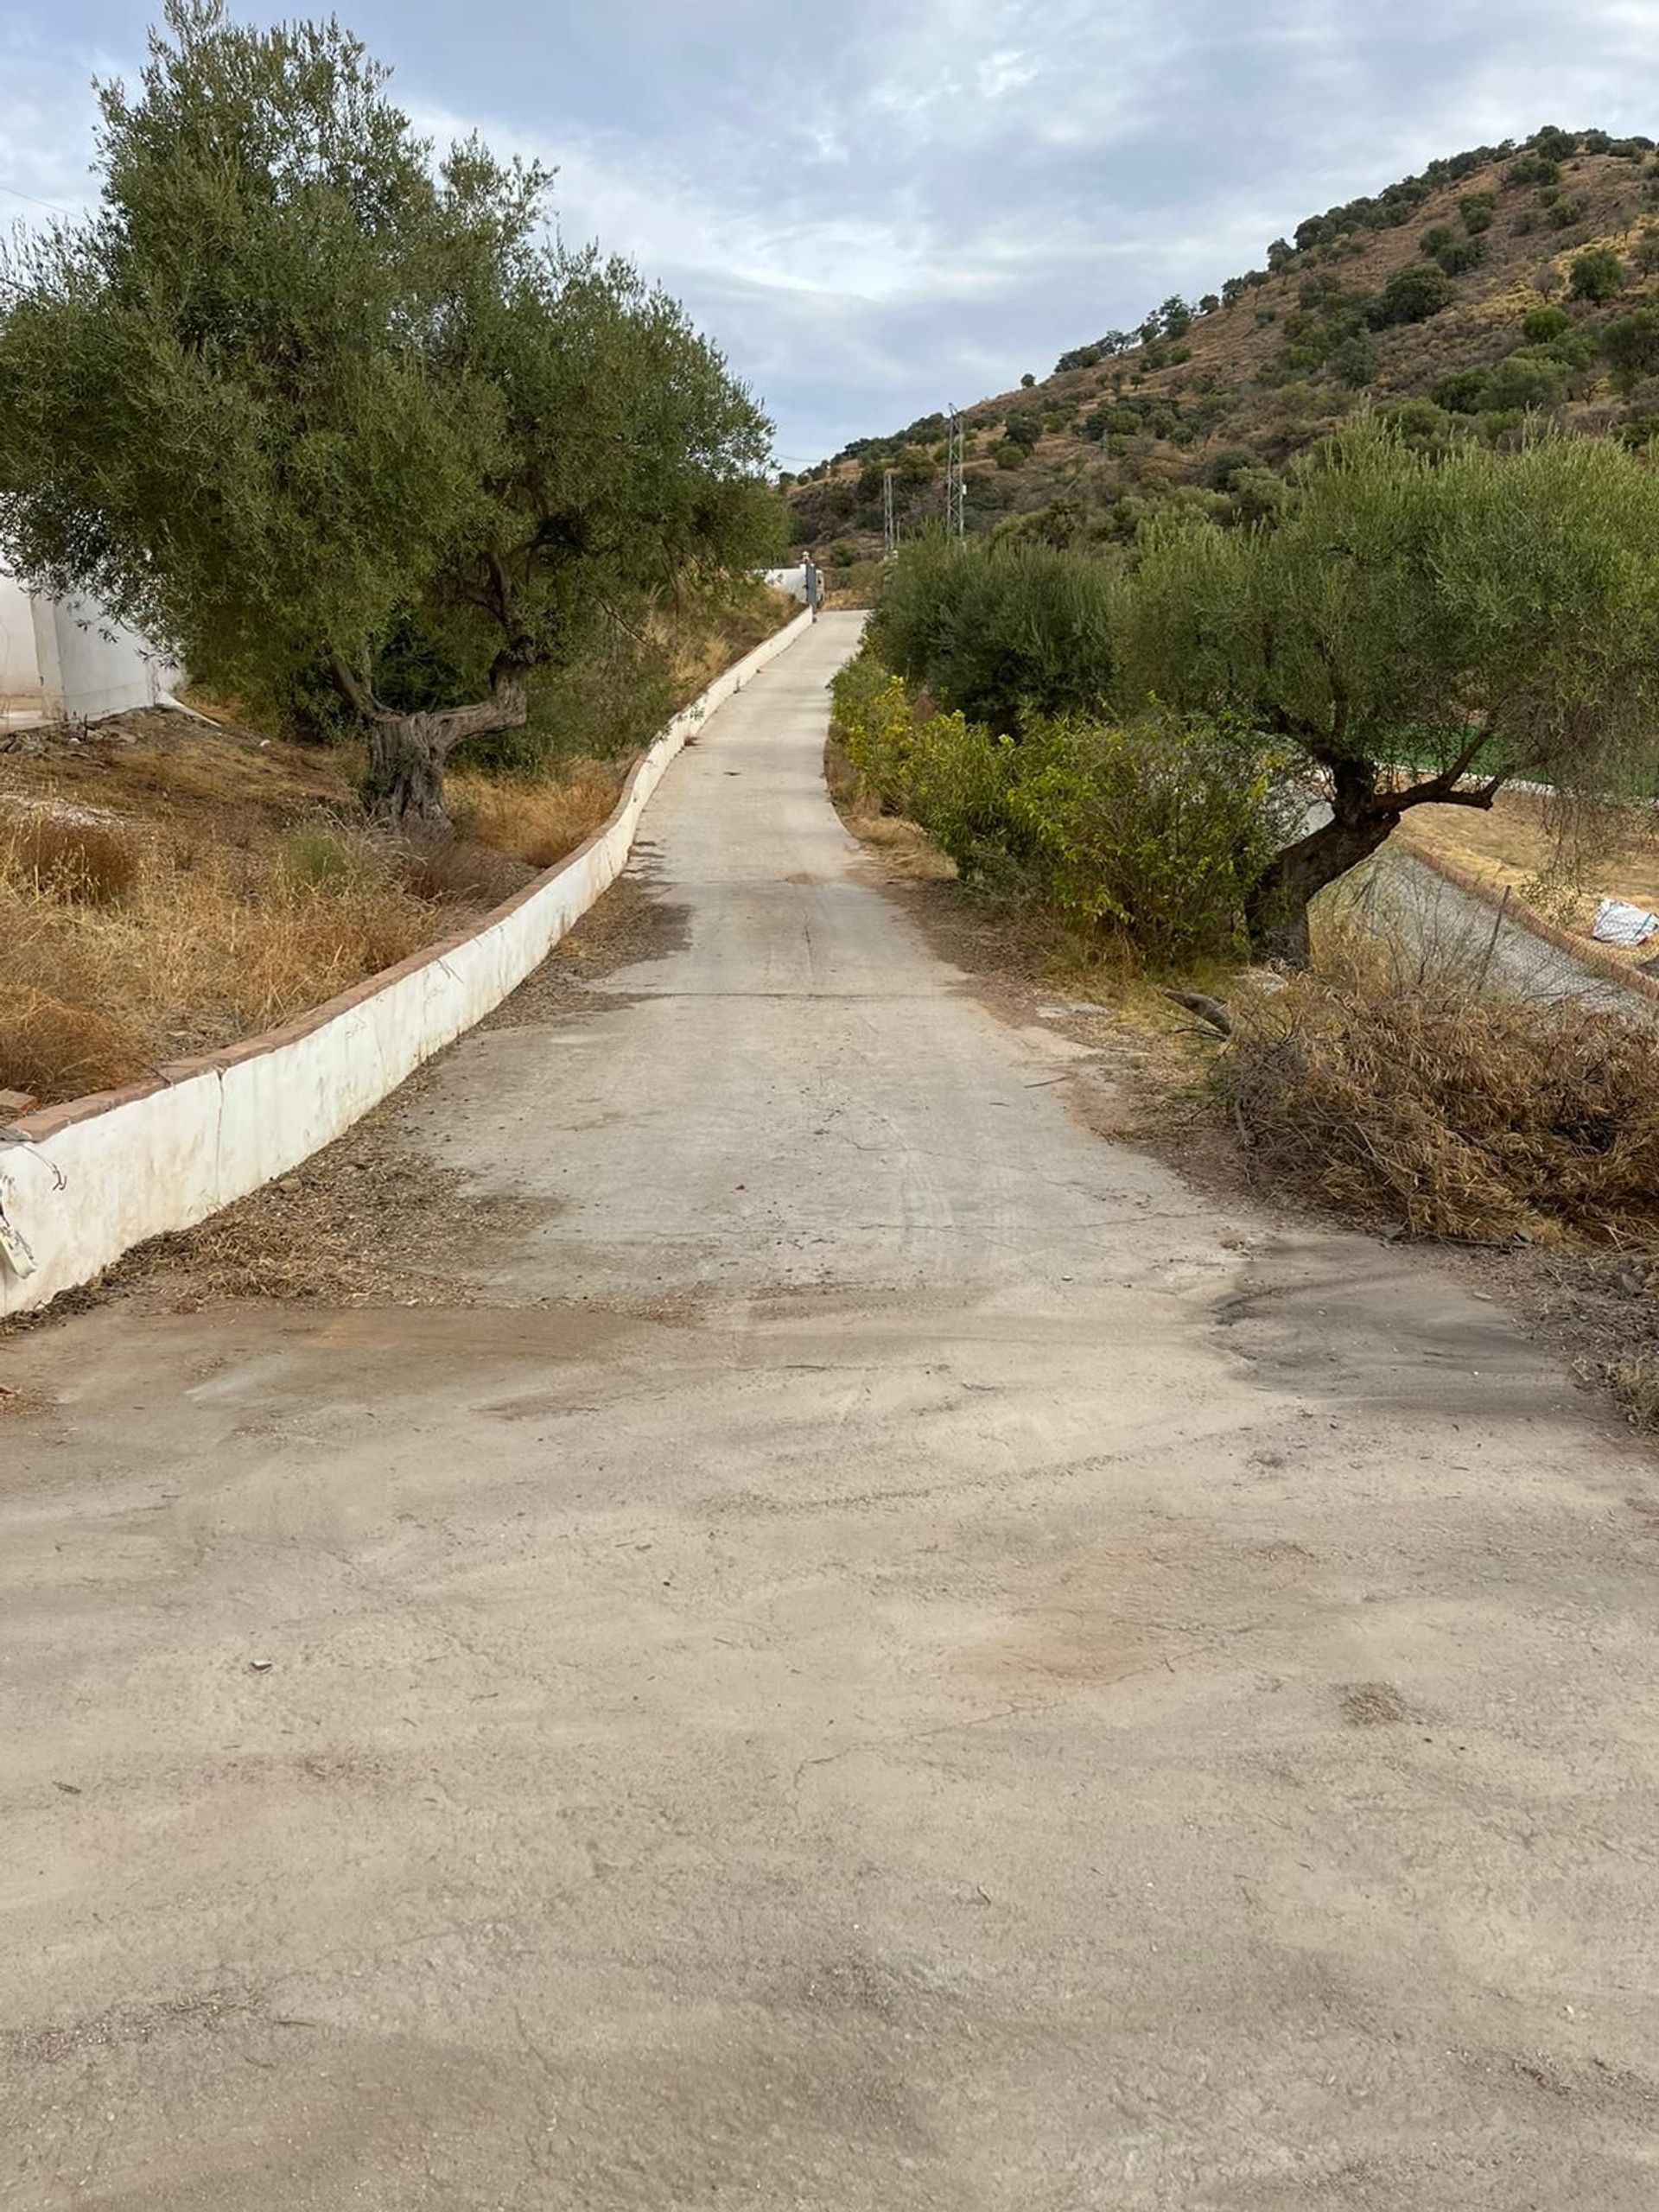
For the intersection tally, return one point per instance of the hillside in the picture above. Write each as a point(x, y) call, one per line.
point(1504, 281)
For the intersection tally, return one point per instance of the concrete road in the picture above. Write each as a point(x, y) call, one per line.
point(1439, 932)
point(895, 1661)
point(1453, 931)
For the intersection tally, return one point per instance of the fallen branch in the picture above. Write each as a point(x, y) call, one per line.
point(1207, 1010)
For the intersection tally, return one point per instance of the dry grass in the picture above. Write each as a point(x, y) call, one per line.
point(534, 821)
point(1558, 858)
point(1635, 1383)
point(904, 845)
point(457, 872)
point(52, 1048)
point(1452, 1111)
point(200, 948)
point(174, 896)
point(702, 644)
point(73, 858)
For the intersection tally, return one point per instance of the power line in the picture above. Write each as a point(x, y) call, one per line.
point(34, 199)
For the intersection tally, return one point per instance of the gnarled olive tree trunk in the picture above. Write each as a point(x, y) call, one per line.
point(1363, 818)
point(407, 752)
point(1277, 913)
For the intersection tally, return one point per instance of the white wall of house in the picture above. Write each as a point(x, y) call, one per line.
point(20, 671)
point(800, 582)
point(62, 656)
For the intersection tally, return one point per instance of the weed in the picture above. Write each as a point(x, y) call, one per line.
point(323, 853)
point(1452, 1110)
point(539, 822)
point(64, 856)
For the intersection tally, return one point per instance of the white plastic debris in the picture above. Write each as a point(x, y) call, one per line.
point(14, 1245)
point(1619, 923)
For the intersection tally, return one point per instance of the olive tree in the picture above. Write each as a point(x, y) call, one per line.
point(1418, 630)
point(298, 402)
point(998, 630)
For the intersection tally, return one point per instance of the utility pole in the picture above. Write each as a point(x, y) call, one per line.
point(955, 479)
point(889, 524)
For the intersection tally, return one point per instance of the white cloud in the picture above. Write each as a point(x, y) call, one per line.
point(46, 150)
point(880, 207)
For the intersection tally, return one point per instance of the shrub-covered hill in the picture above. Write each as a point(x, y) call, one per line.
point(1504, 283)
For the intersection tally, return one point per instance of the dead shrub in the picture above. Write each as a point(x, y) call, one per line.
point(533, 821)
point(1635, 1383)
point(52, 1050)
point(447, 871)
point(84, 863)
point(1452, 1111)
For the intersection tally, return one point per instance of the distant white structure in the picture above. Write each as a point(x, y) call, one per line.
point(62, 657)
point(803, 584)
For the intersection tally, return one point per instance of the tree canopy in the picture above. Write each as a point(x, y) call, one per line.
point(1420, 628)
point(299, 402)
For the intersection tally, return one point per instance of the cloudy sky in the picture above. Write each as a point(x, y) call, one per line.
point(884, 205)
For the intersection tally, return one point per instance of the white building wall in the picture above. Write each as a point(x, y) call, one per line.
point(102, 668)
point(803, 582)
point(62, 656)
point(20, 672)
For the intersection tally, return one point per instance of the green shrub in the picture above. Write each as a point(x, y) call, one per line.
point(1461, 256)
point(1597, 275)
point(1354, 362)
point(1150, 833)
point(940, 770)
point(1538, 326)
point(1218, 469)
point(1463, 392)
point(1258, 495)
point(1631, 344)
point(1477, 209)
point(1410, 295)
point(1423, 426)
point(1525, 380)
point(1152, 830)
point(994, 629)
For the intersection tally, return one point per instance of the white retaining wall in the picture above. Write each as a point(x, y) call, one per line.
point(83, 1183)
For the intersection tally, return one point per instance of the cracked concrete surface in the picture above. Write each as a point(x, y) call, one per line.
point(894, 1660)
